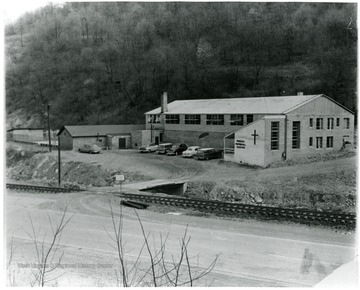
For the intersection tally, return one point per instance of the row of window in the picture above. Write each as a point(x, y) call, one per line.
point(319, 142)
point(212, 119)
point(274, 137)
point(319, 123)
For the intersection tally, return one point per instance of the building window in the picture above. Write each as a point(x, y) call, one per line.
point(311, 123)
point(153, 119)
point(330, 123)
point(319, 142)
point(249, 119)
point(329, 142)
point(296, 135)
point(274, 136)
point(346, 123)
point(319, 123)
point(310, 141)
point(172, 119)
point(214, 119)
point(237, 120)
point(337, 122)
point(192, 119)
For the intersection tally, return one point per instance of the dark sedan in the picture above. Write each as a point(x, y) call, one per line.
point(177, 149)
point(208, 153)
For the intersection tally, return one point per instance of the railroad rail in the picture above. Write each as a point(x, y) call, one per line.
point(264, 212)
point(40, 188)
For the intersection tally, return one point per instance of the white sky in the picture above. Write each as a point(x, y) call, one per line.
point(12, 9)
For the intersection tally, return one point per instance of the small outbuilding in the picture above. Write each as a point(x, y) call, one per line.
point(104, 136)
point(30, 135)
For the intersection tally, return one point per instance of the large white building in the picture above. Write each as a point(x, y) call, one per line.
point(255, 131)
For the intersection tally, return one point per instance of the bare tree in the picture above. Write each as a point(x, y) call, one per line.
point(162, 269)
point(46, 256)
point(11, 273)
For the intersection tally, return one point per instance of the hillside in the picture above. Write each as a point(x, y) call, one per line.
point(102, 63)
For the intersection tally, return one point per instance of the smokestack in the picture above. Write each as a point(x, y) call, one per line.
point(164, 102)
point(300, 93)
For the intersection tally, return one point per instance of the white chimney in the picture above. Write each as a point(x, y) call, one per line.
point(300, 93)
point(164, 102)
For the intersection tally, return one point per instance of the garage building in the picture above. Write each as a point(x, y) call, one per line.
point(104, 136)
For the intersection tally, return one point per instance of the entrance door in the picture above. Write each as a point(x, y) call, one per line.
point(122, 143)
point(156, 140)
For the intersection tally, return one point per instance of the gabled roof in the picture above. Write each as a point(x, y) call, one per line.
point(261, 105)
point(100, 130)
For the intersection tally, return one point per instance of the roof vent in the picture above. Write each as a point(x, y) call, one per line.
point(300, 93)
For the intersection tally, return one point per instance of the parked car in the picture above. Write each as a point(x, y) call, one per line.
point(91, 149)
point(191, 151)
point(208, 153)
point(177, 149)
point(148, 148)
point(164, 148)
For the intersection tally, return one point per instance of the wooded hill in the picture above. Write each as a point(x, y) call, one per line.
point(107, 63)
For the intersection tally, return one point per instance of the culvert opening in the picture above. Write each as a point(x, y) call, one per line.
point(171, 189)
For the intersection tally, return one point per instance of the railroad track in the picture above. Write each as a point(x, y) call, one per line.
point(40, 188)
point(237, 209)
point(265, 212)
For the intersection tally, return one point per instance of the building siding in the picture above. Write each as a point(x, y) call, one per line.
point(279, 154)
point(305, 149)
point(66, 141)
point(213, 140)
point(319, 108)
point(253, 151)
point(27, 135)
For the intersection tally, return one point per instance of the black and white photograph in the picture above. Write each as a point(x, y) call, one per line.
point(180, 144)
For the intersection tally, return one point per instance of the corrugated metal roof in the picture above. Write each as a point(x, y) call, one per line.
point(101, 130)
point(262, 105)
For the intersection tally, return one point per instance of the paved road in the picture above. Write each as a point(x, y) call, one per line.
point(251, 253)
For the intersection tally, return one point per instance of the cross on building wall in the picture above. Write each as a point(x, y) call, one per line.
point(255, 135)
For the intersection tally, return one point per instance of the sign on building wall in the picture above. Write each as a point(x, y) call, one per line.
point(240, 144)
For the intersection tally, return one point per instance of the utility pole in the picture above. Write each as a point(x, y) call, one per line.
point(59, 161)
point(151, 133)
point(48, 121)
